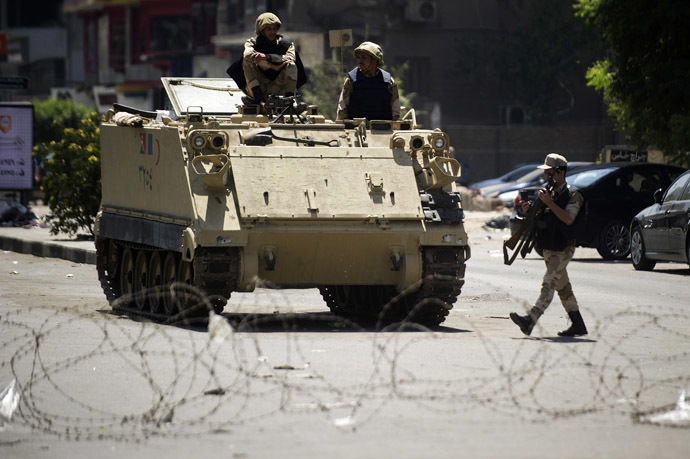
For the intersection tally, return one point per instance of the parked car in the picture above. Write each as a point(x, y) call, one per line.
point(614, 193)
point(508, 193)
point(488, 187)
point(660, 232)
point(508, 177)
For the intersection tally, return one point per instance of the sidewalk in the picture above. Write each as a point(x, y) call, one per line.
point(38, 241)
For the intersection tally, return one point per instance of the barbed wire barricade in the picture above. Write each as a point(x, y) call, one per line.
point(128, 378)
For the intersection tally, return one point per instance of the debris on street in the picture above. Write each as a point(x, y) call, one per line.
point(677, 417)
point(500, 222)
point(9, 400)
point(15, 214)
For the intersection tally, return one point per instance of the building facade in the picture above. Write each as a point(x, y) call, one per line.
point(468, 64)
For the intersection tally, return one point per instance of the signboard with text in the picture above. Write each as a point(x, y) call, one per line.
point(627, 155)
point(16, 142)
point(630, 153)
point(14, 82)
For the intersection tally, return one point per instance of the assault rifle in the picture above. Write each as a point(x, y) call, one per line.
point(522, 241)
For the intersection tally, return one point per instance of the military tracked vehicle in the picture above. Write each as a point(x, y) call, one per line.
point(222, 197)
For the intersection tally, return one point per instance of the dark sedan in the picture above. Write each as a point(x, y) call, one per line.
point(660, 232)
point(614, 193)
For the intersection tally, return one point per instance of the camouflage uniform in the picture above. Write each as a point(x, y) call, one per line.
point(556, 277)
point(373, 50)
point(558, 250)
point(286, 81)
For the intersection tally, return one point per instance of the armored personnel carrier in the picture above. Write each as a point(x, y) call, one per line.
point(222, 197)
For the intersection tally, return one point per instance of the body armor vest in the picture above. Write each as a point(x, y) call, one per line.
point(370, 96)
point(549, 232)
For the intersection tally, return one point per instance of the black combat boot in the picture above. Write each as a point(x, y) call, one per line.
point(525, 323)
point(258, 95)
point(577, 328)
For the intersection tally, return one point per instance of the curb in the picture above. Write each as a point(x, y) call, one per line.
point(48, 250)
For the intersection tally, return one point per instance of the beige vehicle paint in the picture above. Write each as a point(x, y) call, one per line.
point(297, 201)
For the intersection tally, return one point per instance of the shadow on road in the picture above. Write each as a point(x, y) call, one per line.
point(320, 322)
point(559, 339)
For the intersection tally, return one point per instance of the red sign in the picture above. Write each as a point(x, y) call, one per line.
point(3, 44)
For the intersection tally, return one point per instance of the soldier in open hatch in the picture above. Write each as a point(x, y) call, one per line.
point(369, 91)
point(553, 236)
point(270, 63)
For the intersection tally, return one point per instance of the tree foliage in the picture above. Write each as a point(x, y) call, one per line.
point(323, 89)
point(52, 116)
point(645, 79)
point(71, 186)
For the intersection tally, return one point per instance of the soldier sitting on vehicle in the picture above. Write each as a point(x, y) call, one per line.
point(270, 63)
point(369, 91)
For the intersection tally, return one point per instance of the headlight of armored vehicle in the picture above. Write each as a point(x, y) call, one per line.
point(439, 141)
point(197, 140)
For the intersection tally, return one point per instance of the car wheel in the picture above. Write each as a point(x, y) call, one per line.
point(637, 252)
point(614, 241)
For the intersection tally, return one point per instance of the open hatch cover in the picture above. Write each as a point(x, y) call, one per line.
point(216, 96)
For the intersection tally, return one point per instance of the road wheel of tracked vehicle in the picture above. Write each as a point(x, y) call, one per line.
point(359, 302)
point(444, 276)
point(113, 254)
point(106, 266)
point(140, 280)
point(184, 292)
point(614, 241)
point(126, 276)
point(337, 297)
point(169, 278)
point(444, 273)
point(155, 282)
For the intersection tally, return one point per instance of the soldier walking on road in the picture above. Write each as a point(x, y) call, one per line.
point(369, 91)
point(562, 206)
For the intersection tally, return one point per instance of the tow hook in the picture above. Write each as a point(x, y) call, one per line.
point(396, 258)
point(269, 257)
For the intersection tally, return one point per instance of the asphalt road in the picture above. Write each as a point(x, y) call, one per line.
point(281, 377)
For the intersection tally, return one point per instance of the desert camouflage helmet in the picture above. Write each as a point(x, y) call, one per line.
point(372, 49)
point(266, 19)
